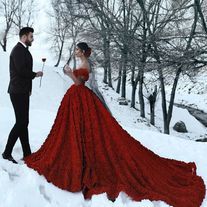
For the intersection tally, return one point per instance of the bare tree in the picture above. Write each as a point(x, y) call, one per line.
point(8, 9)
point(65, 26)
point(24, 15)
point(96, 13)
point(58, 28)
point(174, 51)
point(125, 25)
point(136, 36)
point(75, 24)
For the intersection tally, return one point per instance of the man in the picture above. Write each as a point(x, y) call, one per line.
point(20, 88)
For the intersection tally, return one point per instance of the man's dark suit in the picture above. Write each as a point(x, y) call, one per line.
point(20, 87)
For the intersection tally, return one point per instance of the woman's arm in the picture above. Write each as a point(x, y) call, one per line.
point(68, 71)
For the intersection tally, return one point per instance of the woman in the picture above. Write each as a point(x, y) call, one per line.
point(87, 150)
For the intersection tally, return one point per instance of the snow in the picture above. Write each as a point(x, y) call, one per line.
point(192, 91)
point(21, 186)
point(197, 98)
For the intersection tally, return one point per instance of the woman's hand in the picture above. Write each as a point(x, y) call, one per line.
point(67, 70)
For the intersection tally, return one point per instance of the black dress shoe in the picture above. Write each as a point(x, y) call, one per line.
point(9, 158)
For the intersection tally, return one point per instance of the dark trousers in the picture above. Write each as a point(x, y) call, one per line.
point(20, 104)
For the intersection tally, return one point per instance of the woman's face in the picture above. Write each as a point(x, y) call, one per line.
point(78, 52)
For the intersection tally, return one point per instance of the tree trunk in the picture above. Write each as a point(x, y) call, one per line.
point(152, 100)
point(118, 87)
point(141, 97)
point(105, 75)
point(60, 54)
point(134, 88)
point(134, 85)
point(105, 65)
point(166, 127)
point(4, 44)
point(164, 107)
point(152, 113)
point(124, 76)
point(172, 96)
point(73, 52)
point(133, 96)
point(108, 62)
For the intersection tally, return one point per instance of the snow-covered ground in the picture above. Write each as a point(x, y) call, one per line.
point(195, 129)
point(193, 92)
point(21, 186)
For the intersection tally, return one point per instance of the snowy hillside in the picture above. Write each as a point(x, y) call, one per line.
point(21, 186)
point(195, 129)
point(194, 91)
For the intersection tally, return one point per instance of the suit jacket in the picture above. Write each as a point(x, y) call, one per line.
point(20, 67)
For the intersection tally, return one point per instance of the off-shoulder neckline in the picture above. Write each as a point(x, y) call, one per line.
point(82, 68)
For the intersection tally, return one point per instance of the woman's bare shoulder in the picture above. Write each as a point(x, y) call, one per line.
point(85, 66)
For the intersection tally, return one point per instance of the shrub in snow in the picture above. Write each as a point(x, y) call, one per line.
point(180, 127)
point(201, 140)
point(123, 102)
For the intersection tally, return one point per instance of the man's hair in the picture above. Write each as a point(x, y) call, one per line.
point(25, 31)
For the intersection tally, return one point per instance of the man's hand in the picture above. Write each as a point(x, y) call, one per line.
point(39, 74)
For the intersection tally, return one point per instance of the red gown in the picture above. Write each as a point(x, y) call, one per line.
point(87, 150)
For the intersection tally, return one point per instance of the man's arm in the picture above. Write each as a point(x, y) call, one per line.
point(18, 58)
